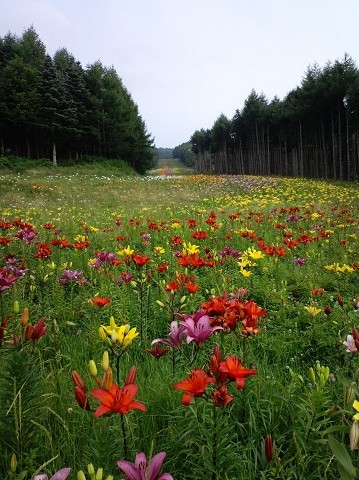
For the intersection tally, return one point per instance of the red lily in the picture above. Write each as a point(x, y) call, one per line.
point(117, 400)
point(140, 260)
point(194, 385)
point(234, 369)
point(100, 301)
point(221, 398)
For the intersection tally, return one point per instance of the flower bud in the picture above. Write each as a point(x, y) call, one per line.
point(78, 382)
point(16, 307)
point(90, 469)
point(13, 463)
point(81, 475)
point(109, 477)
point(92, 368)
point(311, 376)
point(25, 317)
point(99, 474)
point(105, 361)
point(268, 448)
point(354, 435)
point(81, 398)
point(108, 379)
point(328, 310)
point(350, 393)
point(340, 300)
point(131, 376)
point(28, 331)
point(161, 304)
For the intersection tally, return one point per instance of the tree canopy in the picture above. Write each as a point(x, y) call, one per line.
point(52, 107)
point(312, 132)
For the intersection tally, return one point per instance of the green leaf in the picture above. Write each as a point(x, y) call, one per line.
point(341, 454)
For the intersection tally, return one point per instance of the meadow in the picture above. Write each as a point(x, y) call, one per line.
point(213, 319)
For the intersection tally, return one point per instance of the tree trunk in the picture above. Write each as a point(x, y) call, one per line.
point(54, 160)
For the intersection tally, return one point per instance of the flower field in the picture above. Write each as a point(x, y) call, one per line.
point(185, 327)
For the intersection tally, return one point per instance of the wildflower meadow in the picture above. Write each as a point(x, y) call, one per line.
point(178, 326)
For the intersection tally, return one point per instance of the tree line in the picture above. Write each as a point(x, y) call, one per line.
point(52, 107)
point(313, 132)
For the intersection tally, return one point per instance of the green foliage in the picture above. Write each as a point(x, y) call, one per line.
point(303, 393)
point(52, 107)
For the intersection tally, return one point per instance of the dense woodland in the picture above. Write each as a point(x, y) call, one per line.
point(313, 132)
point(52, 107)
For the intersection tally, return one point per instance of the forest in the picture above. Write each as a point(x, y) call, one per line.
point(52, 107)
point(313, 132)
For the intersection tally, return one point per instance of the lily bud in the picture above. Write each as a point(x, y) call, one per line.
point(268, 448)
point(25, 317)
point(340, 300)
point(90, 469)
point(108, 379)
point(16, 307)
point(311, 376)
point(354, 435)
point(161, 304)
point(109, 477)
point(78, 382)
point(13, 463)
point(92, 368)
point(350, 393)
point(99, 474)
point(81, 475)
point(328, 310)
point(81, 398)
point(105, 361)
point(131, 376)
point(28, 331)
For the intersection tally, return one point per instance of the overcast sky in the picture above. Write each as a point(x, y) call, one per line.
point(187, 61)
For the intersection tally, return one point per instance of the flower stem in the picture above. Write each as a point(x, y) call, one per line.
point(125, 448)
point(214, 444)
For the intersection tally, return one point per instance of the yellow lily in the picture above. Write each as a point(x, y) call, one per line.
point(356, 406)
point(123, 335)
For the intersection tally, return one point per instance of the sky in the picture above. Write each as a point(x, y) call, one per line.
point(186, 62)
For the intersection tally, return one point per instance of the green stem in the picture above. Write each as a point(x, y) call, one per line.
point(214, 444)
point(125, 448)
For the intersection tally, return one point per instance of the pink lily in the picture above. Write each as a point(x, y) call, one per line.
point(60, 475)
point(198, 327)
point(141, 470)
point(175, 337)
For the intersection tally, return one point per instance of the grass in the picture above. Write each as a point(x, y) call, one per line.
point(289, 245)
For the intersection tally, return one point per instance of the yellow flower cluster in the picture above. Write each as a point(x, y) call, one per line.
point(121, 335)
point(340, 268)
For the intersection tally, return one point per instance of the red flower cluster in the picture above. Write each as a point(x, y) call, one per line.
point(183, 281)
point(227, 312)
point(220, 373)
point(194, 260)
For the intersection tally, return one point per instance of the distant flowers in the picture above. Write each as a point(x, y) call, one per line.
point(72, 277)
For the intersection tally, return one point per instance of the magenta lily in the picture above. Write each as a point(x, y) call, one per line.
point(60, 475)
point(141, 470)
point(198, 327)
point(175, 337)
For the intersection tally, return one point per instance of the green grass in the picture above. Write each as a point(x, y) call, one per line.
point(115, 211)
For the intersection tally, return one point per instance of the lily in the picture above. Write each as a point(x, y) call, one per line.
point(141, 470)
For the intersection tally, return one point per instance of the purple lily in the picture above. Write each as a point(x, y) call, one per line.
point(60, 475)
point(175, 337)
point(198, 327)
point(140, 470)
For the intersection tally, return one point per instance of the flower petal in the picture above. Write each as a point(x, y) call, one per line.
point(155, 465)
point(61, 474)
point(132, 472)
